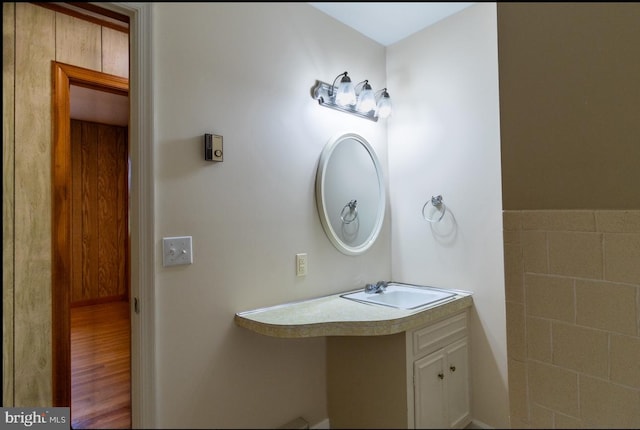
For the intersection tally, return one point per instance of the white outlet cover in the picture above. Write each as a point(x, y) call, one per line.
point(176, 251)
point(301, 264)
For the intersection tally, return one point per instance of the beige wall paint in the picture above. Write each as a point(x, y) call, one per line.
point(39, 36)
point(570, 105)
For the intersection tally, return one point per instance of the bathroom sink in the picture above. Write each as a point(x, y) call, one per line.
point(402, 296)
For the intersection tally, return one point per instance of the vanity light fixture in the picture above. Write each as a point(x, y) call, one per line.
point(366, 99)
point(360, 100)
point(383, 105)
point(345, 95)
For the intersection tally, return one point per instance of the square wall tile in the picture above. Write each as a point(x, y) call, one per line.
point(511, 237)
point(513, 273)
point(607, 405)
point(534, 251)
point(618, 221)
point(625, 360)
point(561, 421)
point(516, 423)
point(576, 274)
point(511, 220)
point(559, 220)
point(553, 387)
point(539, 339)
point(516, 337)
point(518, 399)
point(622, 257)
point(581, 349)
point(541, 418)
point(607, 306)
point(575, 254)
point(550, 297)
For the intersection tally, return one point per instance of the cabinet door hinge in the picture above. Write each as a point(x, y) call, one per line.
point(136, 305)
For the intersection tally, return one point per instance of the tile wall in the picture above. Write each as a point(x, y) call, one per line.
point(573, 318)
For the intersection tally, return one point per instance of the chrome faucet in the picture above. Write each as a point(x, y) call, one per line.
point(379, 287)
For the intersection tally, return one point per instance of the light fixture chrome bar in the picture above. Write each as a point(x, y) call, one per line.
point(325, 95)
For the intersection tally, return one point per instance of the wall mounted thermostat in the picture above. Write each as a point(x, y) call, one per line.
point(212, 147)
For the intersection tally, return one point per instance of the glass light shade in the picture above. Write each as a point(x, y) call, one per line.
point(383, 109)
point(346, 94)
point(366, 99)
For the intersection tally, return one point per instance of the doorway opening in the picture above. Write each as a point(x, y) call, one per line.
point(100, 319)
point(91, 291)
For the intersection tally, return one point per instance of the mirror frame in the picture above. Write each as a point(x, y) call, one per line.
point(325, 157)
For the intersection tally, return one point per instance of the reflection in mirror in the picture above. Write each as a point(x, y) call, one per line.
point(350, 193)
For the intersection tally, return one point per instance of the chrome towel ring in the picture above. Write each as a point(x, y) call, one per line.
point(349, 212)
point(439, 207)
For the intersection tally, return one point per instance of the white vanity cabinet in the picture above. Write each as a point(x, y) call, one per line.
point(440, 371)
point(414, 379)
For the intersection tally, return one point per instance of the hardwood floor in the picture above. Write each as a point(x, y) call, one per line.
point(101, 366)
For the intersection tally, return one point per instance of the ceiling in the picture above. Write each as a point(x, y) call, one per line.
point(98, 106)
point(387, 23)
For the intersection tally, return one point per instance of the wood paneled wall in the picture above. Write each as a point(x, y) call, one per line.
point(33, 36)
point(8, 79)
point(99, 155)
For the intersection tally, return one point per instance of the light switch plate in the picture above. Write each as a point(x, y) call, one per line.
point(176, 251)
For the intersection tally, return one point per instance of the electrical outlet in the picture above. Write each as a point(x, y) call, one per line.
point(176, 251)
point(301, 264)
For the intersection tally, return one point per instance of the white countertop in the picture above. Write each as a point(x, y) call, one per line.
point(336, 316)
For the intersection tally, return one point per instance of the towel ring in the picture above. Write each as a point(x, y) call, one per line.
point(437, 203)
point(352, 214)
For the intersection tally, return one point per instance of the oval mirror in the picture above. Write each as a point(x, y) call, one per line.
point(350, 193)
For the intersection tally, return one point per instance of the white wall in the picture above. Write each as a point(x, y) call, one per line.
point(444, 138)
point(244, 71)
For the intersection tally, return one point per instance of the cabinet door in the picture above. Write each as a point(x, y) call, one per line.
point(429, 392)
point(457, 383)
point(441, 387)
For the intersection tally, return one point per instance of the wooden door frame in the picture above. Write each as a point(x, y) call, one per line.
point(63, 76)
